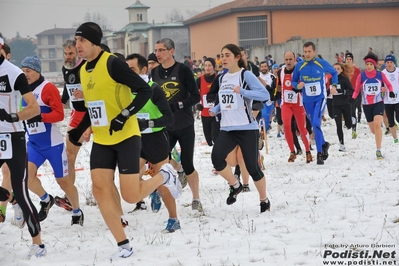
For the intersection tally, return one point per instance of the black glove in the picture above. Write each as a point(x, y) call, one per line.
point(35, 119)
point(10, 118)
point(174, 106)
point(392, 94)
point(351, 100)
point(199, 107)
point(117, 123)
point(143, 124)
point(74, 136)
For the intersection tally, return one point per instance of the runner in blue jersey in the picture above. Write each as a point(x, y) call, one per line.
point(309, 77)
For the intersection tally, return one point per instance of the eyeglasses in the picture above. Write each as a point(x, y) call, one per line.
point(161, 50)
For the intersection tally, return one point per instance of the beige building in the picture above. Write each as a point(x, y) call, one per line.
point(254, 23)
point(49, 48)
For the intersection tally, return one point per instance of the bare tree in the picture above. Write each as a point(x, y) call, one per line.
point(96, 17)
point(174, 16)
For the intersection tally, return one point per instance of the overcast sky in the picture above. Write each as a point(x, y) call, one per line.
point(30, 17)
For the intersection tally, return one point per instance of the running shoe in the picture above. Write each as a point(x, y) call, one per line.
point(121, 254)
point(292, 157)
point(320, 160)
point(245, 188)
point(4, 194)
point(18, 219)
point(342, 148)
point(326, 146)
point(78, 219)
point(140, 206)
point(37, 251)
point(172, 226)
point(232, 198)
point(196, 205)
point(395, 141)
point(265, 206)
point(45, 208)
point(379, 155)
point(63, 203)
point(156, 202)
point(309, 157)
point(299, 152)
point(172, 180)
point(387, 131)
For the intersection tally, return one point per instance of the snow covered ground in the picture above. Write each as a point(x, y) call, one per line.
point(315, 211)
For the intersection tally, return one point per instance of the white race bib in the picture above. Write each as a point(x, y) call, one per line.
point(71, 88)
point(228, 100)
point(97, 113)
point(205, 103)
point(35, 128)
point(290, 96)
point(145, 116)
point(372, 88)
point(313, 89)
point(5, 146)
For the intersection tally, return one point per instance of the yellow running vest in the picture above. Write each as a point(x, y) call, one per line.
point(105, 99)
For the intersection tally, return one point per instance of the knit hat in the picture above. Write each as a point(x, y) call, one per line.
point(349, 55)
point(274, 66)
point(212, 61)
point(390, 58)
point(372, 58)
point(152, 57)
point(91, 32)
point(32, 62)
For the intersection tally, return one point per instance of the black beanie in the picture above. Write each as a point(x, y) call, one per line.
point(91, 32)
point(210, 59)
point(349, 55)
point(152, 57)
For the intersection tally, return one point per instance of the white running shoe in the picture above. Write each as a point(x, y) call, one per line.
point(37, 251)
point(18, 219)
point(122, 253)
point(342, 148)
point(172, 180)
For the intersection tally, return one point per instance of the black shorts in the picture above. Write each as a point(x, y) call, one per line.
point(371, 110)
point(125, 154)
point(155, 146)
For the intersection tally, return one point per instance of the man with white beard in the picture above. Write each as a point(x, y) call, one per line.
point(72, 92)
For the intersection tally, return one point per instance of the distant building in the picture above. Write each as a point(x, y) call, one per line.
point(254, 23)
point(49, 48)
point(139, 36)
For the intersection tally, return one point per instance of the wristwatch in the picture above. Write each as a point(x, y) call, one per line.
point(150, 123)
point(180, 105)
point(14, 117)
point(125, 113)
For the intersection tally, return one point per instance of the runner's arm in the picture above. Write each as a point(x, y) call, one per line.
point(121, 73)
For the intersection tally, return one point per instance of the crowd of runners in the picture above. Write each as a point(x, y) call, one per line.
point(136, 108)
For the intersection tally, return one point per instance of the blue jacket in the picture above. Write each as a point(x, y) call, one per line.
point(313, 73)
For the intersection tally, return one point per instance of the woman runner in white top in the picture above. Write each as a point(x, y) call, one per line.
point(239, 129)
